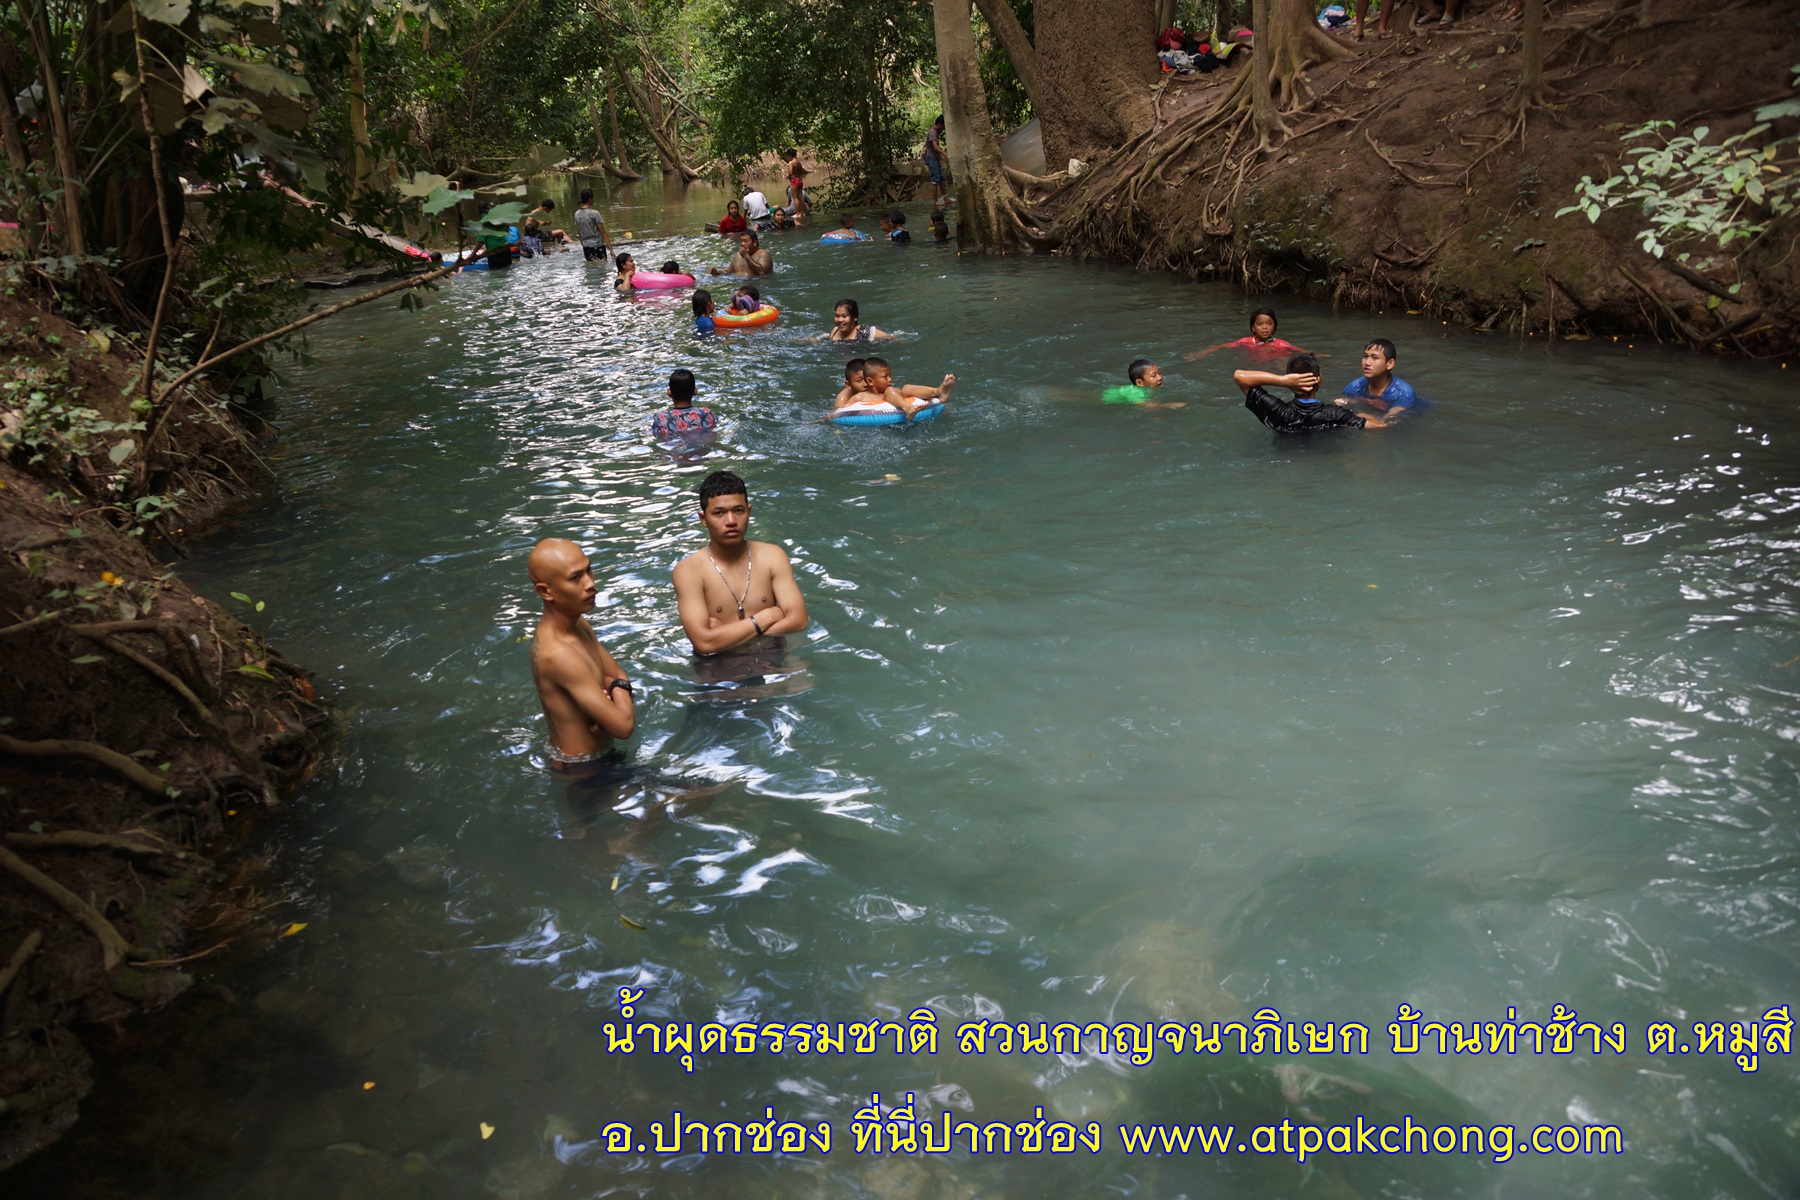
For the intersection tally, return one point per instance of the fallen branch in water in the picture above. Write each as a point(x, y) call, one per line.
point(113, 947)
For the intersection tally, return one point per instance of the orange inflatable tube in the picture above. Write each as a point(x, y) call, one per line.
point(729, 320)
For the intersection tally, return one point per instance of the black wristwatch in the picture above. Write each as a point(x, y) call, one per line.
point(619, 683)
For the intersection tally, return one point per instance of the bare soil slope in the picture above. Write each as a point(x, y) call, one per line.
point(1409, 178)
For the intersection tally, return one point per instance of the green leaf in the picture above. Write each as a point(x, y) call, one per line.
point(85, 659)
point(259, 672)
point(502, 215)
point(259, 606)
point(443, 198)
point(423, 184)
point(122, 451)
point(261, 77)
point(168, 12)
point(240, 596)
point(36, 827)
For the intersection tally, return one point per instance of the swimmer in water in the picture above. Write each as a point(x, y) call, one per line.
point(856, 380)
point(586, 696)
point(1262, 337)
point(1145, 376)
point(735, 591)
point(1378, 387)
point(878, 388)
point(1304, 413)
point(847, 326)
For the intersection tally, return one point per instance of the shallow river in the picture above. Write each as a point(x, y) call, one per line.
point(1105, 715)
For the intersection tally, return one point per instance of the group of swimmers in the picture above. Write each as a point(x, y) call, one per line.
point(739, 595)
point(1374, 400)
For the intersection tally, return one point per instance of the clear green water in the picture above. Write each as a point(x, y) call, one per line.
point(1115, 715)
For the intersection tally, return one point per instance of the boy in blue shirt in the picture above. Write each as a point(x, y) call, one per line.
point(1379, 387)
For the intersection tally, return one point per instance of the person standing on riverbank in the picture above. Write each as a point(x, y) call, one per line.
point(587, 698)
point(764, 602)
point(590, 229)
point(934, 161)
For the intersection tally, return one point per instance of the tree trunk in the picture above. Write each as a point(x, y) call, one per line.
point(1531, 79)
point(358, 106)
point(606, 158)
point(618, 140)
point(63, 142)
point(651, 111)
point(1017, 43)
point(1265, 118)
point(986, 209)
point(1294, 42)
point(1096, 65)
point(18, 157)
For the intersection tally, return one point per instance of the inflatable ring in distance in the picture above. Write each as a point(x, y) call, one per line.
point(763, 316)
point(657, 279)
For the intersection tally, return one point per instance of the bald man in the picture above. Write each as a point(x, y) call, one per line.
point(586, 697)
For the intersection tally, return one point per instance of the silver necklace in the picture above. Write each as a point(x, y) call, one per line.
point(749, 565)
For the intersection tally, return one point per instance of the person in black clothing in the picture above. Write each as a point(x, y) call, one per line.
point(1303, 413)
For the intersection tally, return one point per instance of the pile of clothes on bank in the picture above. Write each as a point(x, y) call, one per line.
point(1184, 54)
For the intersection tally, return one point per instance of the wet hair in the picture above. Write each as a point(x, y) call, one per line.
point(855, 366)
point(721, 483)
point(547, 204)
point(751, 234)
point(1264, 312)
point(855, 312)
point(681, 383)
point(749, 289)
point(671, 268)
point(702, 301)
point(620, 259)
point(896, 217)
point(1383, 345)
point(731, 204)
point(1138, 369)
point(1303, 364)
point(845, 220)
point(790, 152)
point(587, 195)
point(870, 364)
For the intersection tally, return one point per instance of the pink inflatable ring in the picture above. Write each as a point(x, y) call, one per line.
point(656, 279)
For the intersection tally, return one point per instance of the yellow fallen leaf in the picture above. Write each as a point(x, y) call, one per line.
point(487, 1131)
point(631, 924)
point(291, 930)
point(615, 886)
point(368, 1085)
point(1374, 585)
point(891, 478)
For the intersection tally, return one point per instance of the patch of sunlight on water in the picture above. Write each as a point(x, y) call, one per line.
point(1112, 715)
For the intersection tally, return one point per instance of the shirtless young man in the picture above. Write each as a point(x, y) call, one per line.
point(735, 590)
point(750, 259)
point(878, 388)
point(586, 696)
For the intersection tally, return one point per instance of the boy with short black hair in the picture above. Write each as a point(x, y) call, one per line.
point(1303, 413)
point(1145, 376)
point(1378, 386)
point(590, 229)
point(878, 388)
point(684, 418)
point(893, 223)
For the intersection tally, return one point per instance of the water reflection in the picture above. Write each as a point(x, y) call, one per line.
point(1100, 718)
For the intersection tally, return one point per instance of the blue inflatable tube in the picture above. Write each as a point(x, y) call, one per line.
point(891, 417)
